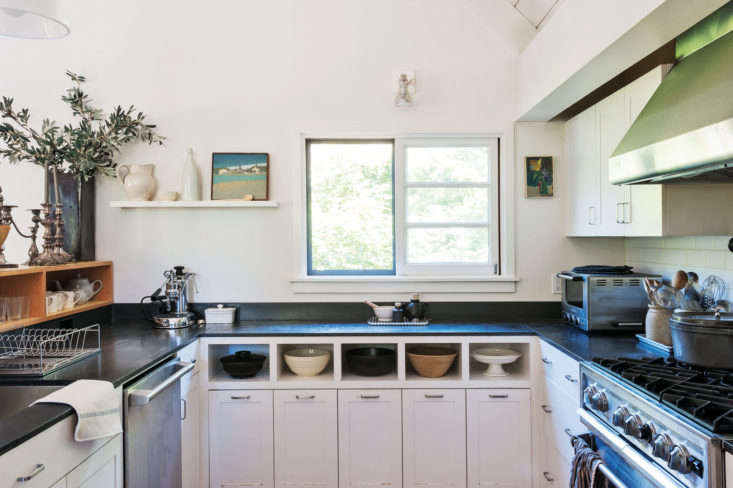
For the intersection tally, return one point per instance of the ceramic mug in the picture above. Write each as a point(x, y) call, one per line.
point(54, 301)
point(70, 299)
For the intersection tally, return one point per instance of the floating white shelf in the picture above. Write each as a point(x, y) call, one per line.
point(196, 204)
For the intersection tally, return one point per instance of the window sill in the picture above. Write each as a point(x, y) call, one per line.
point(404, 284)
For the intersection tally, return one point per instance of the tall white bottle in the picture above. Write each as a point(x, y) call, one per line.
point(190, 185)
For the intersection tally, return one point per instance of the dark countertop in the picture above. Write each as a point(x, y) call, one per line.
point(131, 347)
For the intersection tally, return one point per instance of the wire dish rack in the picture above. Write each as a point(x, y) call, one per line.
point(415, 323)
point(38, 352)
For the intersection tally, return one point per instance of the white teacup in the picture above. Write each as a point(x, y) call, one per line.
point(69, 299)
point(54, 301)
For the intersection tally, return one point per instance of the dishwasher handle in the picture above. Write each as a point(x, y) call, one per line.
point(143, 397)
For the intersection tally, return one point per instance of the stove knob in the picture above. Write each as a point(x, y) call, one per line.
point(663, 446)
point(599, 401)
point(620, 415)
point(648, 432)
point(632, 426)
point(679, 459)
point(589, 392)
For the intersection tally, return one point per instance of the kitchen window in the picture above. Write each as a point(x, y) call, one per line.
point(413, 206)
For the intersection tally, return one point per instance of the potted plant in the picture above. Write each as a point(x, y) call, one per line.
point(79, 151)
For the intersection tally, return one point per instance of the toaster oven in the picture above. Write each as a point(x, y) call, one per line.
point(604, 302)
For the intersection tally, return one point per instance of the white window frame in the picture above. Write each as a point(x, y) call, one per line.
point(402, 266)
point(325, 286)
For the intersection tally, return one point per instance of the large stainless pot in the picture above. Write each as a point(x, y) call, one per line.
point(703, 338)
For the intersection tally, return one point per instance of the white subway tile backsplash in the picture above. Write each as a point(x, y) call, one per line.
point(695, 258)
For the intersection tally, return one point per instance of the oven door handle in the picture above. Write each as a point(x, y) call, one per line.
point(625, 451)
point(569, 277)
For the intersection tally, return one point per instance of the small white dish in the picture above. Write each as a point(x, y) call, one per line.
point(383, 313)
point(307, 361)
point(495, 357)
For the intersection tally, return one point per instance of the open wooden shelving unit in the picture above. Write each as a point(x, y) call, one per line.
point(33, 281)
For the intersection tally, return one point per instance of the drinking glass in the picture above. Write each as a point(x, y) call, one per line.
point(17, 308)
point(3, 309)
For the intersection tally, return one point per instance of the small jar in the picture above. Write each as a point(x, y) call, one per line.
point(398, 313)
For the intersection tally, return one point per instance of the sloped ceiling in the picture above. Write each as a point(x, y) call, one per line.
point(536, 12)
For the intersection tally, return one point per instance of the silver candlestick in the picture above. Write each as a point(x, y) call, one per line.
point(47, 257)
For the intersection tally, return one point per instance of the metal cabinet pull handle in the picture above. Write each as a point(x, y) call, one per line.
point(548, 476)
point(619, 220)
point(546, 361)
point(183, 409)
point(306, 397)
point(570, 378)
point(369, 397)
point(36, 470)
point(246, 397)
point(591, 215)
point(433, 396)
point(498, 396)
point(546, 409)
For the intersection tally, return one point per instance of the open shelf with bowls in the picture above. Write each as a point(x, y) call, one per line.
point(241, 363)
point(32, 282)
point(305, 362)
point(433, 362)
point(369, 362)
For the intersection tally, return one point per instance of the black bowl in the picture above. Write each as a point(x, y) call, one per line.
point(371, 361)
point(243, 365)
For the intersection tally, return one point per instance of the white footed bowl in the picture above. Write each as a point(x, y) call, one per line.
point(307, 361)
point(495, 357)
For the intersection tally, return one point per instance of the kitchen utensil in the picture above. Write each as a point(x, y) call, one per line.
point(431, 362)
point(371, 361)
point(667, 297)
point(713, 289)
point(174, 313)
point(382, 312)
point(307, 361)
point(657, 324)
point(220, 314)
point(679, 281)
point(243, 367)
point(496, 358)
point(87, 290)
point(649, 291)
point(703, 338)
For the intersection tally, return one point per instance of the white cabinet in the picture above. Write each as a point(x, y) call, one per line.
point(103, 469)
point(584, 174)
point(728, 470)
point(306, 439)
point(434, 430)
point(241, 439)
point(370, 438)
point(499, 438)
point(613, 122)
point(190, 430)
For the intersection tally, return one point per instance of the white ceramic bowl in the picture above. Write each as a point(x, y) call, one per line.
point(383, 313)
point(495, 357)
point(307, 361)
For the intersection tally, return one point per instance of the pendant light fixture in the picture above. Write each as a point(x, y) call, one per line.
point(31, 19)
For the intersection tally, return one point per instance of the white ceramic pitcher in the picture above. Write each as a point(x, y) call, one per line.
point(138, 180)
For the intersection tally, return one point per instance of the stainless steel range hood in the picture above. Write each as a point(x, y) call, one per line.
point(685, 132)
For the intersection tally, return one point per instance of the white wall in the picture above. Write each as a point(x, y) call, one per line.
point(251, 76)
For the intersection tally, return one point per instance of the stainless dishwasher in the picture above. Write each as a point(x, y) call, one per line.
point(152, 419)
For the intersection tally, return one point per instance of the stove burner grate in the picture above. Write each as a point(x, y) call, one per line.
point(702, 395)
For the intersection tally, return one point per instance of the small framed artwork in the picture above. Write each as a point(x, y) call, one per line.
point(540, 176)
point(234, 176)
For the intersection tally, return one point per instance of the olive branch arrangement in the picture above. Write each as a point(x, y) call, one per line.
point(83, 150)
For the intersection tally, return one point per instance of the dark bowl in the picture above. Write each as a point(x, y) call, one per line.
point(371, 361)
point(243, 365)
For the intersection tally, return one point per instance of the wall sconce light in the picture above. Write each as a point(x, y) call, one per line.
point(406, 92)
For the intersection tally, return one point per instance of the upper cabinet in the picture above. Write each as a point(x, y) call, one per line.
point(598, 208)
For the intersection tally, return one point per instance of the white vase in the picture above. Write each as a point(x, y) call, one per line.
point(138, 180)
point(190, 185)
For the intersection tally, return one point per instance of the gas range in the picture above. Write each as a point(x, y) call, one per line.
point(663, 419)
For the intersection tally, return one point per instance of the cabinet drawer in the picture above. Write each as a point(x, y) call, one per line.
point(51, 455)
point(559, 415)
point(557, 472)
point(561, 368)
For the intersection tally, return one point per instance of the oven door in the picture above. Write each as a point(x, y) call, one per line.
point(623, 465)
point(573, 292)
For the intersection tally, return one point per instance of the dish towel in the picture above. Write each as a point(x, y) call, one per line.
point(97, 408)
point(584, 472)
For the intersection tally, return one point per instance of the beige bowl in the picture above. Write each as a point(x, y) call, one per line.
point(307, 361)
point(431, 362)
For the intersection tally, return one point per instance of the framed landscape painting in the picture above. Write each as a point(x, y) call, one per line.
point(540, 176)
point(234, 175)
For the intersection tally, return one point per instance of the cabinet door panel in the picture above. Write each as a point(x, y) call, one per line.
point(190, 430)
point(612, 125)
point(306, 439)
point(103, 469)
point(434, 427)
point(240, 439)
point(499, 439)
point(370, 438)
point(583, 172)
